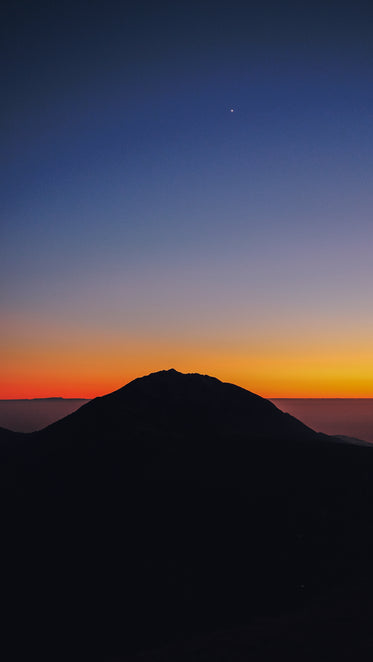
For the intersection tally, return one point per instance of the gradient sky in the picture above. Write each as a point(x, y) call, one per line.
point(146, 226)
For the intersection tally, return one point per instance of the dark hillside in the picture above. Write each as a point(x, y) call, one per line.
point(176, 506)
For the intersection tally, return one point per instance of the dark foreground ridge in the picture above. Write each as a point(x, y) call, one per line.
point(187, 516)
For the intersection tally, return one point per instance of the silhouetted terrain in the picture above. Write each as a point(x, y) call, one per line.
point(35, 414)
point(180, 506)
point(351, 417)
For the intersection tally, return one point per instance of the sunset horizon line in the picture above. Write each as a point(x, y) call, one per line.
point(45, 393)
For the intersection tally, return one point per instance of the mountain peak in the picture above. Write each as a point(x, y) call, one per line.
point(168, 376)
point(171, 404)
point(191, 502)
point(173, 372)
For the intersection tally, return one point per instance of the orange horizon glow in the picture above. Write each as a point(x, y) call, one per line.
point(46, 360)
point(86, 374)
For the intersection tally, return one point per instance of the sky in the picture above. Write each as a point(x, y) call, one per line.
point(144, 225)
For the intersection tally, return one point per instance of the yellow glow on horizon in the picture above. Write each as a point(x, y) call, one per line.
point(80, 368)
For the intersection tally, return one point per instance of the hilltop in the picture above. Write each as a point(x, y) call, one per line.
point(177, 506)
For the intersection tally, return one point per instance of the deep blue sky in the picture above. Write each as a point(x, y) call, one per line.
point(139, 212)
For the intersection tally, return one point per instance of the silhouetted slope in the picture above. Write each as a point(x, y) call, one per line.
point(176, 505)
point(31, 415)
point(6, 435)
point(169, 402)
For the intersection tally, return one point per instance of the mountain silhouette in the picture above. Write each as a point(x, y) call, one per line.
point(177, 506)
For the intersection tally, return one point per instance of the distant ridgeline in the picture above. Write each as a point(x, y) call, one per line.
point(337, 416)
point(33, 414)
point(179, 506)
